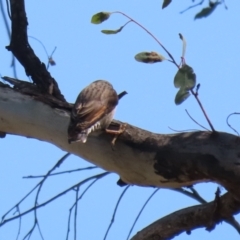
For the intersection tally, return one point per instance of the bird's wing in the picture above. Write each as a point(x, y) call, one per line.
point(88, 113)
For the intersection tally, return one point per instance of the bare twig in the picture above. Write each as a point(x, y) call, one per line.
point(17, 205)
point(63, 172)
point(235, 113)
point(194, 194)
point(70, 210)
point(30, 232)
point(204, 113)
point(39, 185)
point(5, 18)
point(185, 130)
point(196, 121)
point(168, 53)
point(50, 59)
point(197, 195)
point(13, 62)
point(41, 44)
point(3, 222)
point(20, 223)
point(115, 211)
point(40, 231)
point(193, 6)
point(75, 213)
point(8, 9)
point(224, 4)
point(140, 212)
point(234, 223)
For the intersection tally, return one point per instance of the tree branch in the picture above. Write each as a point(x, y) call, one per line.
point(190, 218)
point(141, 157)
point(22, 50)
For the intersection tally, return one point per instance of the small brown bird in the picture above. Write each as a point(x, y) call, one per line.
point(93, 110)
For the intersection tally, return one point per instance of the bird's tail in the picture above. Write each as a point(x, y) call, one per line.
point(80, 137)
point(75, 134)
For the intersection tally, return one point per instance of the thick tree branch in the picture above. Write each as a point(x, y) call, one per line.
point(205, 215)
point(24, 53)
point(140, 157)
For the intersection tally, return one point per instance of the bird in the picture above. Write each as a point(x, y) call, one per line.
point(93, 110)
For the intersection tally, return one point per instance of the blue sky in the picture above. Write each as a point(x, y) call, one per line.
point(83, 55)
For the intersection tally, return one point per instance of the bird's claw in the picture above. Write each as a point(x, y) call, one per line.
point(118, 132)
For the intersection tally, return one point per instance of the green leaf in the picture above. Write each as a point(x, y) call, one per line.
point(100, 17)
point(205, 12)
point(166, 3)
point(185, 78)
point(112, 31)
point(184, 44)
point(181, 96)
point(149, 57)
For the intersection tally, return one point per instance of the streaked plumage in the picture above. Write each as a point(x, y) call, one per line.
point(93, 109)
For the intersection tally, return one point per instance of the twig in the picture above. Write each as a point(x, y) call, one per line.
point(3, 217)
point(40, 184)
point(70, 210)
point(40, 43)
point(40, 232)
point(55, 197)
point(196, 121)
point(235, 113)
point(48, 56)
point(131, 19)
point(197, 195)
point(63, 172)
point(194, 194)
point(5, 18)
point(234, 223)
point(50, 59)
point(13, 62)
point(75, 213)
point(140, 212)
point(29, 233)
point(17, 205)
point(193, 6)
point(205, 114)
point(20, 224)
point(8, 10)
point(186, 130)
point(115, 211)
point(224, 4)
